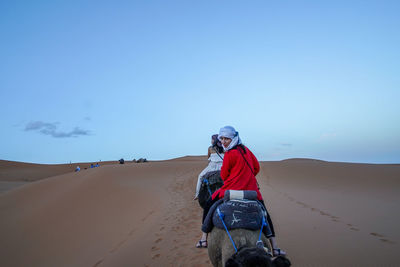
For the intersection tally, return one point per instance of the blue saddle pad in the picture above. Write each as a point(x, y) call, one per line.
point(245, 214)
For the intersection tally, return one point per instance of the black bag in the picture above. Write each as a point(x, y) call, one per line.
point(211, 182)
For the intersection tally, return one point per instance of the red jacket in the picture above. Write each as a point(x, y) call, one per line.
point(236, 174)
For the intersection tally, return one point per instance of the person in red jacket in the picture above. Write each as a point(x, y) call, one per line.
point(239, 170)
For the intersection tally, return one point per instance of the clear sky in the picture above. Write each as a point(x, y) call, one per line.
point(104, 80)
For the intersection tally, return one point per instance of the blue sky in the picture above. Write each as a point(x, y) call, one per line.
point(103, 80)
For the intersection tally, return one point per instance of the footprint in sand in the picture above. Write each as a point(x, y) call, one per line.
point(117, 246)
point(383, 239)
point(131, 232)
point(387, 241)
point(158, 240)
point(97, 263)
point(145, 217)
point(155, 256)
point(337, 219)
point(154, 248)
point(302, 204)
point(376, 234)
point(175, 228)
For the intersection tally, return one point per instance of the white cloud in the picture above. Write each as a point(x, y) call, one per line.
point(47, 128)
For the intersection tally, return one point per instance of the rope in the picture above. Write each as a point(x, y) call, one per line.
point(216, 151)
point(208, 186)
point(226, 229)
point(262, 226)
point(251, 169)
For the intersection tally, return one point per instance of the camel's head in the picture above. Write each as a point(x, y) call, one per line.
point(255, 257)
point(249, 257)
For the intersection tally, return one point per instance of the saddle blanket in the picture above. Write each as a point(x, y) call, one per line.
point(245, 214)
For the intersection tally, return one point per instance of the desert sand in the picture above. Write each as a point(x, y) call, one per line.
point(143, 214)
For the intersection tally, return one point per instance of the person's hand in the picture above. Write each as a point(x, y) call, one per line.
point(195, 198)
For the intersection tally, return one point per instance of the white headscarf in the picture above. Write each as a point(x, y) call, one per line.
point(230, 132)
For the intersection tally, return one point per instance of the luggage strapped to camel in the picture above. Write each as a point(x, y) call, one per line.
point(242, 203)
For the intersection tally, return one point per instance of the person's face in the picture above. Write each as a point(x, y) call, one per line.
point(225, 141)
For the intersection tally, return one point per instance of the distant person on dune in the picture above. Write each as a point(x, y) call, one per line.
point(215, 157)
point(239, 170)
point(77, 169)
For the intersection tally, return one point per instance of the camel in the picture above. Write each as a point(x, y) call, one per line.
point(220, 247)
point(222, 251)
point(249, 252)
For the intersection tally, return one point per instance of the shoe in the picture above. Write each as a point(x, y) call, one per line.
point(201, 244)
point(278, 252)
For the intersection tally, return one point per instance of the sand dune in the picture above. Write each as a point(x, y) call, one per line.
point(326, 214)
point(28, 172)
point(14, 174)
